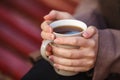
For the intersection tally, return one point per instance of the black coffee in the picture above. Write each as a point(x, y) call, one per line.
point(67, 29)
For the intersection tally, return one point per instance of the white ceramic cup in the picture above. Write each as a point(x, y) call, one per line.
point(60, 25)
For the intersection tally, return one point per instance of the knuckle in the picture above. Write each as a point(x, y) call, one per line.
point(91, 63)
point(78, 63)
point(74, 69)
point(92, 43)
point(87, 69)
point(93, 28)
point(65, 12)
point(56, 60)
point(82, 69)
point(74, 41)
point(42, 34)
point(71, 54)
point(42, 25)
point(81, 63)
point(92, 55)
point(71, 63)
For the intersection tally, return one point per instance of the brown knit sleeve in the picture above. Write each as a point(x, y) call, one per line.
point(108, 59)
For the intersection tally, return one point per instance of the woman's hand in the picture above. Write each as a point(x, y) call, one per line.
point(77, 60)
point(46, 32)
point(53, 15)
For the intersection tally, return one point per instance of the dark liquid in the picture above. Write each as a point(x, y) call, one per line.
point(67, 29)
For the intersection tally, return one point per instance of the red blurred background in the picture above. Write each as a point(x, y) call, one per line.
point(20, 33)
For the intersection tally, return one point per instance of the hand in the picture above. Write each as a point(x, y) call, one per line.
point(77, 60)
point(53, 15)
point(85, 58)
point(46, 32)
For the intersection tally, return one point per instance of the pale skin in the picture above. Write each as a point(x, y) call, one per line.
point(76, 60)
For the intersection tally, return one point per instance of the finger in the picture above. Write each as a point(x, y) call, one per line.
point(74, 53)
point(45, 26)
point(89, 32)
point(49, 50)
point(48, 36)
point(56, 15)
point(72, 62)
point(68, 53)
point(74, 41)
point(73, 69)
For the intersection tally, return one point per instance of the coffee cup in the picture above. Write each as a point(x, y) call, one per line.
point(63, 28)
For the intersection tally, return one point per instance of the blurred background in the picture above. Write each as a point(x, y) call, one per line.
point(20, 33)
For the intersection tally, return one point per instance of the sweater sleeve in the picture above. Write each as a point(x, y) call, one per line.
point(108, 59)
point(88, 11)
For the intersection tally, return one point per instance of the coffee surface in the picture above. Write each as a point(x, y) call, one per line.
point(67, 29)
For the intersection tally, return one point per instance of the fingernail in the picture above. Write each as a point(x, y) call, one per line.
point(55, 65)
point(45, 16)
point(47, 53)
point(51, 58)
point(49, 48)
point(85, 34)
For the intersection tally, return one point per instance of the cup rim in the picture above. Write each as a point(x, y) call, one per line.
point(72, 22)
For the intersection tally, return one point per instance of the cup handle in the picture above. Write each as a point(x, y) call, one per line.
point(44, 45)
point(43, 48)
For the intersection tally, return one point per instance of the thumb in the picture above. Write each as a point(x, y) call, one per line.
point(89, 32)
